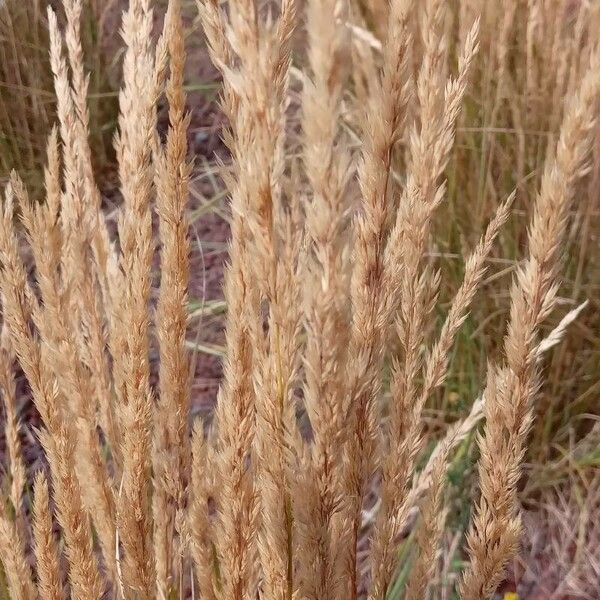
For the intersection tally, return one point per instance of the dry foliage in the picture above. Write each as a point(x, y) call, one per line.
point(332, 350)
point(27, 99)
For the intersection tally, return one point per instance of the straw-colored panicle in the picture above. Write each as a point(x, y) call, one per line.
point(13, 530)
point(105, 255)
point(275, 242)
point(405, 434)
point(79, 214)
point(171, 461)
point(57, 323)
point(12, 554)
point(45, 546)
point(16, 465)
point(429, 533)
point(235, 496)
point(326, 310)
point(99, 270)
point(430, 144)
point(143, 72)
point(80, 205)
point(495, 530)
point(307, 479)
point(237, 508)
point(255, 68)
point(200, 524)
point(371, 283)
point(59, 437)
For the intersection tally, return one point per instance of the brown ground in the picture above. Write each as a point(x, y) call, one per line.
point(210, 232)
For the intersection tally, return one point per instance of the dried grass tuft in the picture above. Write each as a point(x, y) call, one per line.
point(333, 350)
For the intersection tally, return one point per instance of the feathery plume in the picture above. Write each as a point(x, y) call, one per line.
point(200, 523)
point(16, 465)
point(495, 528)
point(142, 76)
point(58, 440)
point(171, 461)
point(327, 167)
point(12, 555)
point(430, 146)
point(44, 544)
point(372, 286)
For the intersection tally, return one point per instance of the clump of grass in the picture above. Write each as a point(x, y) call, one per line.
point(531, 60)
point(27, 102)
point(328, 282)
point(26, 83)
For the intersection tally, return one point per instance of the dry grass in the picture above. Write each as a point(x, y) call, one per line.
point(27, 98)
point(308, 480)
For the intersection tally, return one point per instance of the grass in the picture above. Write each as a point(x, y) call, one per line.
point(412, 198)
